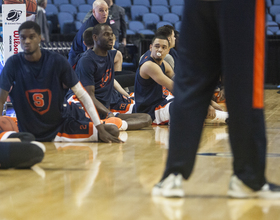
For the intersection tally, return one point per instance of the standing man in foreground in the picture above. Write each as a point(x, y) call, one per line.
point(99, 16)
point(229, 34)
point(38, 81)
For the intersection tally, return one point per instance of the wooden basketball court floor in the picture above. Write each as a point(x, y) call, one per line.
point(82, 181)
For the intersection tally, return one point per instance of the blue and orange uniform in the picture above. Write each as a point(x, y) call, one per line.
point(150, 97)
point(98, 71)
point(37, 94)
point(121, 104)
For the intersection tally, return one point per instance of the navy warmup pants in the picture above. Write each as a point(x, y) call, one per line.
point(227, 37)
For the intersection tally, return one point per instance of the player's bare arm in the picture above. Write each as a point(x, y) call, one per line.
point(118, 61)
point(99, 106)
point(152, 70)
point(119, 88)
point(168, 70)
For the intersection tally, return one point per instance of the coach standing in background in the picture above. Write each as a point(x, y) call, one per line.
point(117, 22)
point(99, 15)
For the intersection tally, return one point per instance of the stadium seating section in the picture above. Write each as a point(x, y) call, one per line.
point(272, 17)
point(149, 14)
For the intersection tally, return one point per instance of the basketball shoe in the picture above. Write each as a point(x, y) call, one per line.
point(171, 186)
point(21, 155)
point(237, 189)
point(121, 124)
point(23, 136)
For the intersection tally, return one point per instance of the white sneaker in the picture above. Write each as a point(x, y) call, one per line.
point(237, 189)
point(171, 186)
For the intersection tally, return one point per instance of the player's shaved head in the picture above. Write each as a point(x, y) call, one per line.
point(97, 28)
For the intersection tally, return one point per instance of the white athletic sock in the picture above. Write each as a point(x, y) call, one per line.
point(124, 126)
point(220, 117)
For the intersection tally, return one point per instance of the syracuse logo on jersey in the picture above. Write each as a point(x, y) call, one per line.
point(106, 78)
point(39, 100)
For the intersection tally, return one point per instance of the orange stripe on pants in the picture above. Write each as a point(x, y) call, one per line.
point(259, 47)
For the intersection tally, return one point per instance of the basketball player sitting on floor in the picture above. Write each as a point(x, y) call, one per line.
point(96, 71)
point(153, 77)
point(38, 81)
point(120, 101)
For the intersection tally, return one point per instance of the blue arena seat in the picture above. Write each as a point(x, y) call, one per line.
point(274, 9)
point(136, 26)
point(77, 2)
point(51, 9)
point(68, 8)
point(177, 9)
point(90, 2)
point(78, 24)
point(159, 9)
point(137, 11)
point(270, 33)
point(65, 17)
point(268, 3)
point(142, 2)
point(162, 23)
point(84, 8)
point(126, 18)
point(276, 2)
point(171, 17)
point(80, 16)
point(123, 3)
point(150, 20)
point(60, 2)
point(178, 25)
point(146, 32)
point(269, 17)
point(176, 2)
point(160, 2)
point(130, 32)
point(277, 20)
point(272, 26)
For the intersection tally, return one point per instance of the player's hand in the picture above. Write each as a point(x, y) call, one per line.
point(211, 112)
point(108, 133)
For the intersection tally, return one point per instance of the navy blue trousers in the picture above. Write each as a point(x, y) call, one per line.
point(220, 37)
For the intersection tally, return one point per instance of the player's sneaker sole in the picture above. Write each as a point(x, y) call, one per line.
point(237, 189)
point(171, 186)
